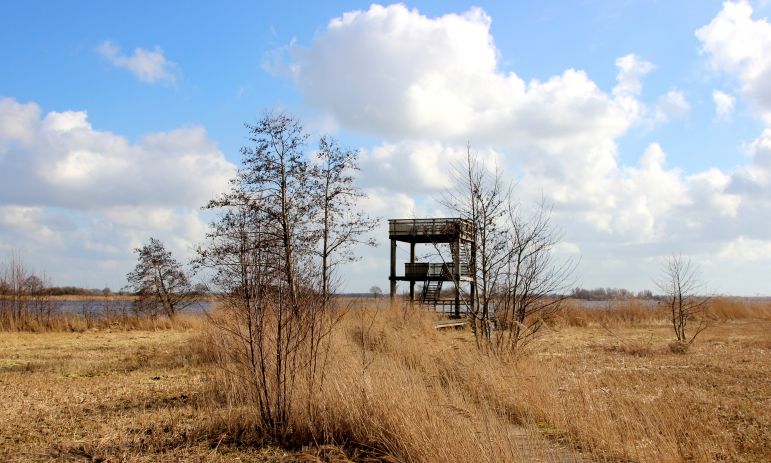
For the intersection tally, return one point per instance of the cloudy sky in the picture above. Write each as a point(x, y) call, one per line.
point(647, 125)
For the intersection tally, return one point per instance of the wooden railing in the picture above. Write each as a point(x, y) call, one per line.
point(427, 227)
point(426, 269)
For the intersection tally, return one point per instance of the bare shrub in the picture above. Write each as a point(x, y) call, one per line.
point(678, 347)
point(25, 299)
point(519, 285)
point(680, 285)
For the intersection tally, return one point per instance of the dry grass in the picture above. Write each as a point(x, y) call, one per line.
point(603, 388)
point(74, 322)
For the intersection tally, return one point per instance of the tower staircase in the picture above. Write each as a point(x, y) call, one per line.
point(431, 290)
point(464, 257)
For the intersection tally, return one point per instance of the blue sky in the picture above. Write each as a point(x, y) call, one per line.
point(645, 123)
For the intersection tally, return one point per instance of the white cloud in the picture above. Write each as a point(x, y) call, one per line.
point(61, 160)
point(417, 167)
point(429, 85)
point(17, 122)
point(149, 66)
point(71, 193)
point(426, 86)
point(739, 45)
point(754, 179)
point(724, 104)
point(744, 249)
point(672, 104)
point(397, 73)
point(631, 70)
point(566, 247)
point(27, 223)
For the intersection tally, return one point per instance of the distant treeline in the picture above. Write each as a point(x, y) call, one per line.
point(76, 291)
point(34, 284)
point(604, 294)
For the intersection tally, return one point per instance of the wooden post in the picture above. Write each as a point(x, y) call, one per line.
point(456, 274)
point(412, 282)
point(472, 267)
point(393, 268)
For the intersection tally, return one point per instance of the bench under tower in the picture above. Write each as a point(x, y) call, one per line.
point(456, 233)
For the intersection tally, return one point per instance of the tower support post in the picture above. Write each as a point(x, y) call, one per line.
point(393, 269)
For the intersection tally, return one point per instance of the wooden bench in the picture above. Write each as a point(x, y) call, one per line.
point(442, 324)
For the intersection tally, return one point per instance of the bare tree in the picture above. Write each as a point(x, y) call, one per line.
point(482, 197)
point(25, 297)
point(535, 284)
point(276, 172)
point(281, 217)
point(159, 282)
point(519, 283)
point(259, 339)
point(376, 291)
point(681, 288)
point(341, 226)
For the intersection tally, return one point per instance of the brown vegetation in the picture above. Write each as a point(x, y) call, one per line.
point(599, 385)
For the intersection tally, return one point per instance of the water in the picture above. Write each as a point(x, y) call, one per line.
point(611, 304)
point(96, 307)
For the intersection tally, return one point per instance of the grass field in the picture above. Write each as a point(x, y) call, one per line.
point(594, 387)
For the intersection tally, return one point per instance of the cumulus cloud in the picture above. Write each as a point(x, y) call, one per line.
point(724, 104)
point(150, 66)
point(754, 179)
point(672, 105)
point(746, 250)
point(395, 72)
point(631, 70)
point(59, 159)
point(427, 85)
point(28, 224)
point(415, 80)
point(418, 167)
point(70, 192)
point(739, 45)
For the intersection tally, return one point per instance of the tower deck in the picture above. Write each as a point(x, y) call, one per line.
point(459, 268)
point(443, 230)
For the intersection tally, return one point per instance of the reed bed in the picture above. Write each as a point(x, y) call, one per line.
point(596, 386)
point(581, 393)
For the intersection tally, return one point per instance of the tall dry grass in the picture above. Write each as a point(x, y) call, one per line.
point(397, 389)
point(78, 323)
point(400, 388)
point(641, 312)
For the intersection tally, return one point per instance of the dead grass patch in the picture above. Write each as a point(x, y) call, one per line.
point(404, 393)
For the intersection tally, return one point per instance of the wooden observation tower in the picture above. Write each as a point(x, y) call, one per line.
point(458, 234)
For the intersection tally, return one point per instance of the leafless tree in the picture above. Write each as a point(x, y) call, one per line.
point(376, 291)
point(535, 283)
point(260, 336)
point(25, 297)
point(683, 291)
point(281, 228)
point(159, 282)
point(482, 197)
point(519, 283)
point(277, 172)
point(340, 225)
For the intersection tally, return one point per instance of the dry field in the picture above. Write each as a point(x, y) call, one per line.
point(597, 386)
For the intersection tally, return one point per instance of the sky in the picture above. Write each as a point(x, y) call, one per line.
point(645, 125)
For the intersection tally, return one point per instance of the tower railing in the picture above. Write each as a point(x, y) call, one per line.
point(462, 228)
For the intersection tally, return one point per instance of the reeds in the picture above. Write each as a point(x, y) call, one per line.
point(396, 385)
point(606, 389)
